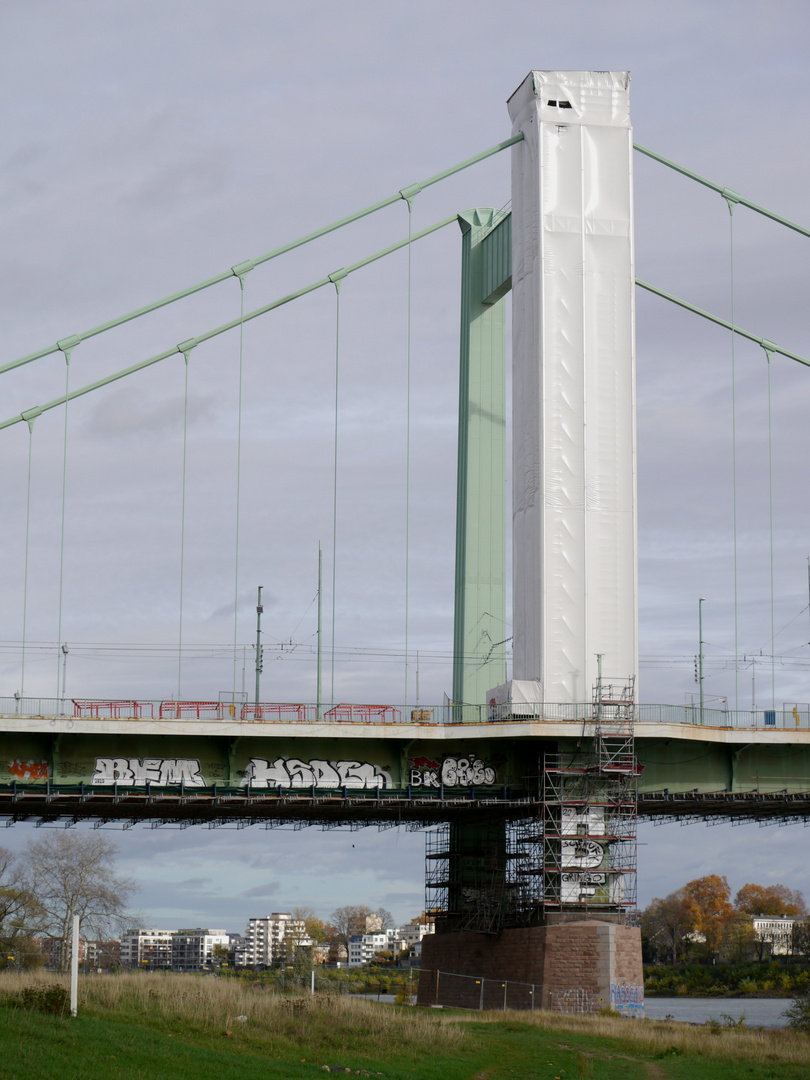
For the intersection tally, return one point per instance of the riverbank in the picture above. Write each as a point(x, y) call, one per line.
point(147, 1027)
point(727, 981)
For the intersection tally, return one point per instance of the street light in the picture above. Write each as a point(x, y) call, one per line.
point(259, 610)
point(701, 601)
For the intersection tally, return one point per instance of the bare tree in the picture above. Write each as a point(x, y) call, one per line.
point(313, 925)
point(354, 919)
point(20, 915)
point(72, 873)
point(668, 924)
point(386, 919)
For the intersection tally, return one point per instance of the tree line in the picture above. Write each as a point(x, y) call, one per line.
point(700, 922)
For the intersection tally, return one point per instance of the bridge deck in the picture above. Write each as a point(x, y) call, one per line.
point(233, 771)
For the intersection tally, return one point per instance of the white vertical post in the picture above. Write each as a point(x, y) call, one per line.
point(74, 967)
point(574, 437)
point(312, 983)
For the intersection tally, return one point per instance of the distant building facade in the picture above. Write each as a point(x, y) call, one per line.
point(776, 932)
point(271, 939)
point(193, 950)
point(364, 947)
point(149, 950)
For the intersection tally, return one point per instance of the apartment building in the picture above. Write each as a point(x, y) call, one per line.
point(193, 950)
point(270, 939)
point(149, 950)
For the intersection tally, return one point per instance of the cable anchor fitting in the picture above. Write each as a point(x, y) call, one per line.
point(67, 345)
point(409, 194)
point(241, 270)
point(30, 415)
point(185, 348)
point(337, 278)
point(731, 197)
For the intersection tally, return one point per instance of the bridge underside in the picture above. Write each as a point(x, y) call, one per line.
point(357, 810)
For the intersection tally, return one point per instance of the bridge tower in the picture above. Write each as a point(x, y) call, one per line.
point(547, 907)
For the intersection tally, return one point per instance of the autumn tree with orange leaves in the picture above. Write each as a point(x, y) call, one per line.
point(770, 900)
point(710, 898)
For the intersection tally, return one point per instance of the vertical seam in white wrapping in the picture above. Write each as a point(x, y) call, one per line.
point(585, 594)
point(541, 646)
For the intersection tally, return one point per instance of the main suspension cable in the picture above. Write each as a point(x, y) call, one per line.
point(231, 325)
point(291, 246)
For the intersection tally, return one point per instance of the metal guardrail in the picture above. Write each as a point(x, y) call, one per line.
point(788, 717)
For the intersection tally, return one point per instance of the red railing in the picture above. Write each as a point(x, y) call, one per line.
point(366, 714)
point(118, 708)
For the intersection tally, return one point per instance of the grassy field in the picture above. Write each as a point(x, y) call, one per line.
point(153, 1027)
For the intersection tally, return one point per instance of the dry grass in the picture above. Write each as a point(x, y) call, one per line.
point(205, 1005)
point(327, 1024)
point(662, 1038)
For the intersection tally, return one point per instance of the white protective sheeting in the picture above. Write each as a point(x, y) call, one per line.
point(514, 698)
point(574, 443)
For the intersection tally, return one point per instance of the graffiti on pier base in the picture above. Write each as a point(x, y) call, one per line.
point(138, 772)
point(627, 1000)
point(294, 773)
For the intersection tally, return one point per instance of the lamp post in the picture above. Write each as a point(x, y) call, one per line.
point(259, 610)
point(701, 601)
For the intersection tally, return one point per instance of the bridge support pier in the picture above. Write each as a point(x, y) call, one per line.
point(574, 964)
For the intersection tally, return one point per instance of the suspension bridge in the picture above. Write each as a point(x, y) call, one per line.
point(557, 744)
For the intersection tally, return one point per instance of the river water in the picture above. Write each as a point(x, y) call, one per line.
point(758, 1012)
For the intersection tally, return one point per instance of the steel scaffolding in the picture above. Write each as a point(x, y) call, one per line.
point(580, 852)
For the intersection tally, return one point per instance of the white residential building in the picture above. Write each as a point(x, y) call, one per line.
point(148, 949)
point(364, 947)
point(776, 931)
point(270, 939)
point(193, 950)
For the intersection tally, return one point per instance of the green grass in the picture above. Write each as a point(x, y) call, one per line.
point(185, 1028)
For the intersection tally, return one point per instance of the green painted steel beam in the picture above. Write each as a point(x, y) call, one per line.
point(242, 268)
point(185, 347)
point(479, 655)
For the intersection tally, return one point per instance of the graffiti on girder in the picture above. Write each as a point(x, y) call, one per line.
point(157, 772)
point(294, 773)
point(452, 772)
point(29, 770)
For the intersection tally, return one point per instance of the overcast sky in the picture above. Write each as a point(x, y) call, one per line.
point(147, 146)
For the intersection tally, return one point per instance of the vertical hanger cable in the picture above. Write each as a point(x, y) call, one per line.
point(336, 280)
point(770, 523)
point(67, 350)
point(730, 202)
point(25, 569)
point(183, 527)
point(238, 483)
point(408, 454)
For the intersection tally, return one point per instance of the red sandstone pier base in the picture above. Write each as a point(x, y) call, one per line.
point(578, 966)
